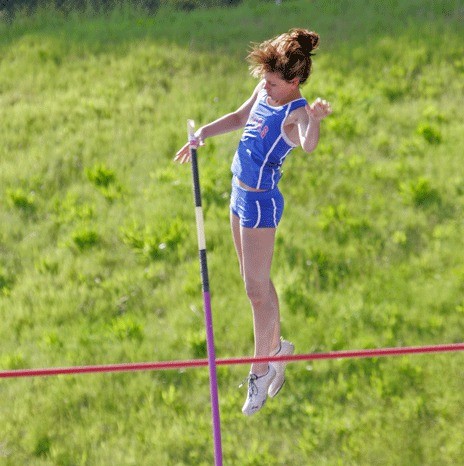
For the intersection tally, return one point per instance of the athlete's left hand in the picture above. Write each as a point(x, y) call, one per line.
point(319, 109)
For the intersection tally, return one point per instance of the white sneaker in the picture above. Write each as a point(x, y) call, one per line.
point(257, 391)
point(286, 349)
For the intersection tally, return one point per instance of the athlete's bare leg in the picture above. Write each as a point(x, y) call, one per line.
point(255, 248)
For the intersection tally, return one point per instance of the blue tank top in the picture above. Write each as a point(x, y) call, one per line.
point(264, 145)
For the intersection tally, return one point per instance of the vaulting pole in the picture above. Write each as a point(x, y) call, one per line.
point(206, 297)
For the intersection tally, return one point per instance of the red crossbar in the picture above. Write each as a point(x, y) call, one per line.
point(189, 363)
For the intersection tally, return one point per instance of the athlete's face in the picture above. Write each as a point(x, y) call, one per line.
point(279, 90)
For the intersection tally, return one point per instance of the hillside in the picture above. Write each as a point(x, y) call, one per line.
point(98, 252)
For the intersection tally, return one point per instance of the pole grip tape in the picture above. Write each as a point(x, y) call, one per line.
point(193, 157)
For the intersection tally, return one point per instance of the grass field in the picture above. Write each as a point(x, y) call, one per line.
point(98, 251)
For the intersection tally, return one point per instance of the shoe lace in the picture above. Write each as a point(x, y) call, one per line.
point(252, 387)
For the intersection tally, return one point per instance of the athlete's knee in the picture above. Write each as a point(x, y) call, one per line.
point(257, 291)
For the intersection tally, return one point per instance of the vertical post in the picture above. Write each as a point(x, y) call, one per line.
point(206, 297)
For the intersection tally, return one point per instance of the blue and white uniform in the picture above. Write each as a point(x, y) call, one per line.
point(257, 163)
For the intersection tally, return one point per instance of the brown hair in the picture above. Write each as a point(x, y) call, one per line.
point(288, 54)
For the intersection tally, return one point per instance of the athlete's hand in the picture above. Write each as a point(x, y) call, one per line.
point(183, 154)
point(319, 109)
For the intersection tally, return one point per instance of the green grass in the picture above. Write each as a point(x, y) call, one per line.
point(98, 252)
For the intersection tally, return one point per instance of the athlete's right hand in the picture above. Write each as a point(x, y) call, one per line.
point(183, 155)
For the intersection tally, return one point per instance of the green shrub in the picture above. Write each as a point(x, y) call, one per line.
point(22, 200)
point(421, 192)
point(85, 238)
point(430, 133)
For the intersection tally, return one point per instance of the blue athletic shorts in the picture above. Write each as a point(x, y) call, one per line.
point(256, 209)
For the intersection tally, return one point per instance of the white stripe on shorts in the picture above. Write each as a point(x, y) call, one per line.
point(258, 207)
point(275, 212)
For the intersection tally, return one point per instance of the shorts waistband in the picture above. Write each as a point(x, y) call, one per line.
point(254, 195)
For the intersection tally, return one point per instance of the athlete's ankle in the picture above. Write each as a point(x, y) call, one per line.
point(260, 369)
